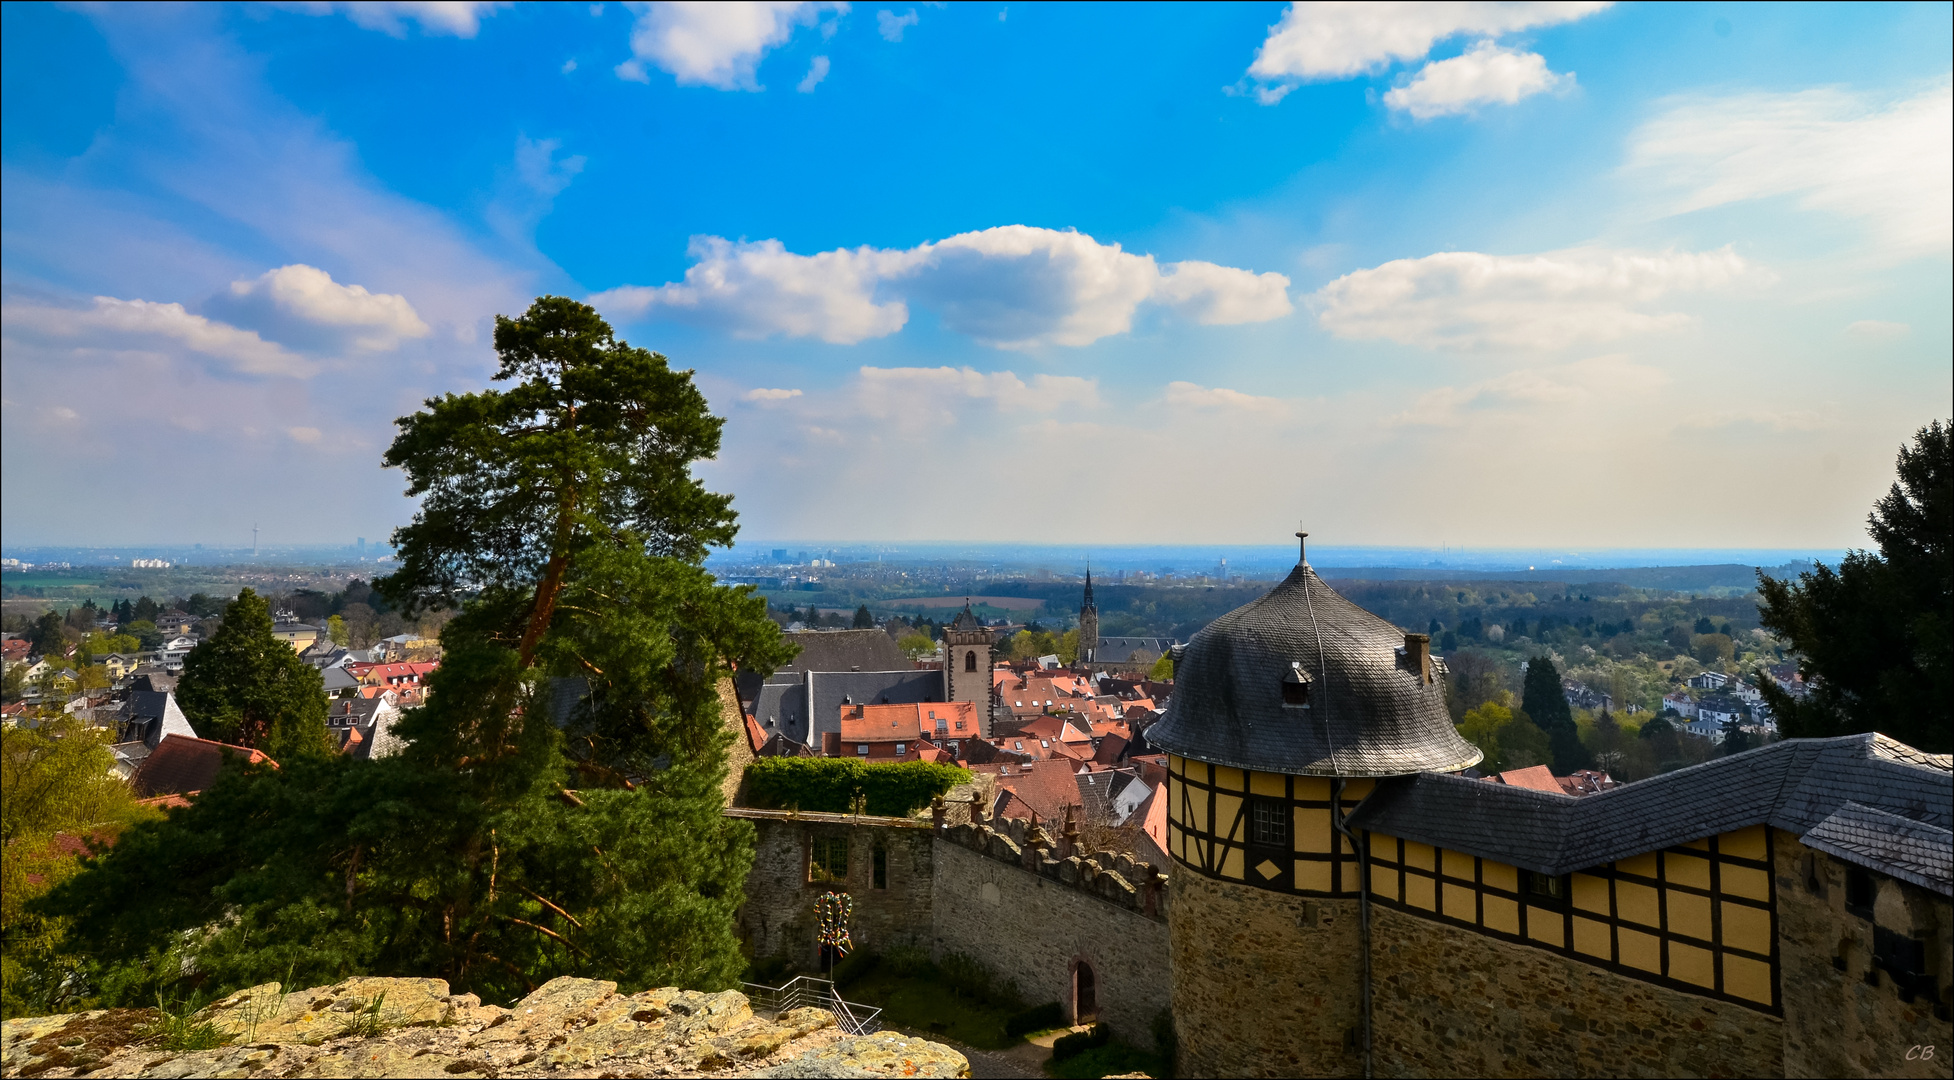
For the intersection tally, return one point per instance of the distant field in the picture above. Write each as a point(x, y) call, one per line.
point(1008, 603)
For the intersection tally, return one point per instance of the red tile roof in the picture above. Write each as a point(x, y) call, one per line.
point(181, 765)
point(1048, 788)
point(1536, 778)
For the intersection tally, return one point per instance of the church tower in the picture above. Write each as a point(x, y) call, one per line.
point(967, 646)
point(1088, 626)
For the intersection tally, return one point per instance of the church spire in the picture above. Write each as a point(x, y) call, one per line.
point(1087, 604)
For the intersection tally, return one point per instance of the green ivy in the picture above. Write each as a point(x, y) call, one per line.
point(831, 785)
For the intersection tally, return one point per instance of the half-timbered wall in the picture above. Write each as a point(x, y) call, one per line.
point(1219, 823)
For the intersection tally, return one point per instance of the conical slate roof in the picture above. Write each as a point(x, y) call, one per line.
point(1371, 709)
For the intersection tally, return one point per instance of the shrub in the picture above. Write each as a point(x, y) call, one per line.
point(854, 966)
point(1037, 1018)
point(1079, 1042)
point(830, 785)
point(967, 976)
point(907, 961)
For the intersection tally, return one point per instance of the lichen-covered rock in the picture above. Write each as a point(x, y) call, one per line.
point(371, 1027)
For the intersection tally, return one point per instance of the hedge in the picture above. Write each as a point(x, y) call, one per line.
point(830, 785)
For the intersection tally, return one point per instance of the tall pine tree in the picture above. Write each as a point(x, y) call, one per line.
point(1547, 707)
point(247, 688)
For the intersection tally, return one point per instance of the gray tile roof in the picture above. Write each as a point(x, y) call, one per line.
point(1910, 850)
point(1795, 785)
point(832, 650)
point(1369, 714)
point(810, 704)
point(1120, 650)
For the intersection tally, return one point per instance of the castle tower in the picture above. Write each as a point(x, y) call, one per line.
point(1088, 626)
point(1285, 713)
point(967, 663)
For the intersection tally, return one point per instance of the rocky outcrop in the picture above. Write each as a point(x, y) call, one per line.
point(370, 1027)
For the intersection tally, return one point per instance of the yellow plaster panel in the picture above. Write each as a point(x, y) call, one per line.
point(1418, 855)
point(1592, 938)
point(1640, 950)
point(1591, 893)
point(1384, 883)
point(1637, 904)
point(1231, 864)
point(1355, 790)
point(1500, 876)
point(1700, 845)
point(1544, 926)
point(1227, 778)
point(1228, 818)
point(1197, 817)
point(1312, 830)
point(1343, 845)
point(1461, 903)
point(1176, 765)
point(1501, 914)
point(1746, 928)
point(1314, 876)
point(1418, 892)
point(1690, 964)
point(1686, 870)
point(1641, 865)
point(1458, 865)
point(1746, 882)
point(1199, 772)
point(1746, 978)
point(1268, 783)
point(1313, 788)
point(1689, 914)
point(1744, 843)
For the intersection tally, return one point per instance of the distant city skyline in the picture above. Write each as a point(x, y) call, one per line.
point(1534, 276)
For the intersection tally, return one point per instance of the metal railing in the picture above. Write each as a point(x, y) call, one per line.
point(805, 991)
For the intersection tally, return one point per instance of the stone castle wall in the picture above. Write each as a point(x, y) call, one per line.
point(1449, 1001)
point(778, 919)
point(1838, 1021)
point(1265, 983)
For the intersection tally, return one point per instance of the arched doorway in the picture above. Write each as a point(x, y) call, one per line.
point(1085, 993)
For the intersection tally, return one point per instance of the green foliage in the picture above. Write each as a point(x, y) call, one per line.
point(1508, 738)
point(1873, 636)
point(916, 646)
point(830, 785)
point(50, 635)
point(864, 620)
point(177, 1030)
point(1163, 669)
point(336, 630)
point(247, 688)
point(1037, 1018)
point(1545, 705)
point(58, 780)
point(1712, 648)
point(497, 850)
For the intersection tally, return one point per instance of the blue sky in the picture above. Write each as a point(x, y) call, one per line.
point(1483, 274)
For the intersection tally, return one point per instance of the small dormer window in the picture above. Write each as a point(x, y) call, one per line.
point(1295, 687)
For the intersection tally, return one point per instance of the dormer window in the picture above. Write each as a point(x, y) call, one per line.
point(1295, 687)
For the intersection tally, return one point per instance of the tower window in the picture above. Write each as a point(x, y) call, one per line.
point(970, 661)
point(1860, 892)
point(1269, 825)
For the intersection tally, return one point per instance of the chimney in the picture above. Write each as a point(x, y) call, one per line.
point(1418, 655)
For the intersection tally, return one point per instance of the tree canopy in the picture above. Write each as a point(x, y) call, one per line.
point(1872, 637)
point(557, 807)
point(248, 688)
point(1546, 706)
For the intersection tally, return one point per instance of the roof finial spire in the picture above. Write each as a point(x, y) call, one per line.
point(1302, 548)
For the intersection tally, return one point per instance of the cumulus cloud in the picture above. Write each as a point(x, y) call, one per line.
point(1471, 300)
point(539, 168)
point(1012, 287)
point(303, 305)
point(1317, 41)
point(1485, 74)
point(1888, 162)
point(1194, 396)
point(713, 44)
point(816, 71)
point(458, 18)
point(113, 323)
point(891, 25)
point(763, 395)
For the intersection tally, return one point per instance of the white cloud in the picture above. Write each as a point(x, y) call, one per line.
point(1888, 162)
point(1317, 41)
point(1012, 287)
point(757, 289)
point(1781, 422)
point(310, 436)
point(763, 395)
point(891, 25)
point(1214, 295)
point(1874, 328)
point(569, 66)
point(458, 18)
point(1194, 396)
point(1469, 300)
point(713, 44)
point(1483, 75)
point(919, 400)
point(373, 321)
point(816, 71)
point(121, 322)
point(538, 167)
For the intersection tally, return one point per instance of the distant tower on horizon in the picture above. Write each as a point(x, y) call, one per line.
point(254, 539)
point(1088, 623)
